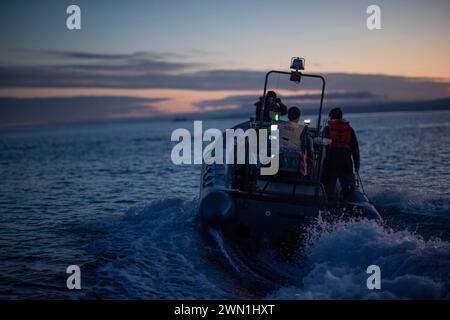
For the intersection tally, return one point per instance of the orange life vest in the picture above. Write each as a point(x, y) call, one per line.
point(340, 134)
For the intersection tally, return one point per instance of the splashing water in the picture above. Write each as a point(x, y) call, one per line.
point(158, 251)
point(339, 254)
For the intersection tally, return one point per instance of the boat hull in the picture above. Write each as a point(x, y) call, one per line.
point(260, 221)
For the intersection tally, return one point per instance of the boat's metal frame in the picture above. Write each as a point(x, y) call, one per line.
point(298, 75)
point(254, 213)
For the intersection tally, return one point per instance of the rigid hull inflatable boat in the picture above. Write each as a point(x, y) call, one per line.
point(274, 209)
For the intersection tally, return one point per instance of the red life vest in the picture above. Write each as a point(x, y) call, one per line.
point(340, 133)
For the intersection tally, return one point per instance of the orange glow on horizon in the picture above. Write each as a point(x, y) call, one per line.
point(179, 101)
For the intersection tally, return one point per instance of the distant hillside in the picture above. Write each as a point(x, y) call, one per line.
point(437, 104)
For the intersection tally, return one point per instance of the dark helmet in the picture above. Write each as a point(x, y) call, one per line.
point(271, 94)
point(335, 114)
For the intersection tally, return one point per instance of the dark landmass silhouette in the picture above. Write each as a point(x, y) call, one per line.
point(373, 107)
point(48, 111)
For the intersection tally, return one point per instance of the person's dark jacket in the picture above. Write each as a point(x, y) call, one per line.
point(354, 147)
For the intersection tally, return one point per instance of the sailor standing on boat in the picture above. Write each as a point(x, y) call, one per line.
point(294, 141)
point(338, 162)
point(290, 130)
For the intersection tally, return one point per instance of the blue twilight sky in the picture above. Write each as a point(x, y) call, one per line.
point(332, 35)
point(186, 56)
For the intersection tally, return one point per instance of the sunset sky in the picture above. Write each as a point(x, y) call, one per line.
point(152, 57)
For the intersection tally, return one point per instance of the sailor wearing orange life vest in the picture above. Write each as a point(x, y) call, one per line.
point(338, 162)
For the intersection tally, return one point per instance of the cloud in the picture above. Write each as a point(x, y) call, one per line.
point(156, 71)
point(63, 69)
point(146, 74)
point(112, 56)
point(150, 70)
point(35, 111)
point(132, 63)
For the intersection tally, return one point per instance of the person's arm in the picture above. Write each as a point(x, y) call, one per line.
point(326, 132)
point(283, 108)
point(355, 150)
point(306, 141)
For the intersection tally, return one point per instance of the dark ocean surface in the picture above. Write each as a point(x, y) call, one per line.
point(107, 197)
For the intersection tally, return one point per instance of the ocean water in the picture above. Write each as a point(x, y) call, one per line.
point(106, 197)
